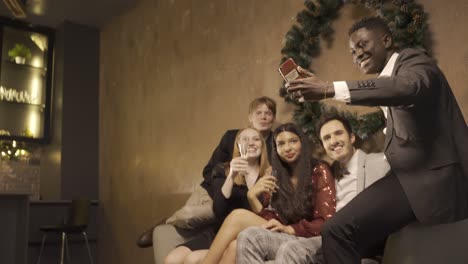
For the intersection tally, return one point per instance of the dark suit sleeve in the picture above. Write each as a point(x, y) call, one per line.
point(324, 206)
point(220, 203)
point(415, 75)
point(222, 206)
point(222, 153)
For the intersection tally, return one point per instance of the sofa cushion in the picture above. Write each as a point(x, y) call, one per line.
point(417, 243)
point(197, 211)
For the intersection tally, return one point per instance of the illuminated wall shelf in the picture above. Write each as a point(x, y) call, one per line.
point(23, 66)
point(26, 65)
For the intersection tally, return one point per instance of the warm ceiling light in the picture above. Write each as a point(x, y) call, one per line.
point(40, 41)
point(17, 7)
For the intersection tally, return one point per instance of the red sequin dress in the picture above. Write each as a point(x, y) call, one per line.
point(324, 206)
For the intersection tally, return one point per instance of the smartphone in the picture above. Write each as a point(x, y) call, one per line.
point(288, 70)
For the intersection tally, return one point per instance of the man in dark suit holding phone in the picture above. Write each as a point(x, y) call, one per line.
point(426, 139)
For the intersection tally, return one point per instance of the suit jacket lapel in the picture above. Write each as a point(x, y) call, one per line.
point(389, 130)
point(361, 174)
point(389, 124)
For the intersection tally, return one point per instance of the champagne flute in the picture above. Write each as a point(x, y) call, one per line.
point(242, 149)
point(269, 212)
point(274, 173)
point(243, 152)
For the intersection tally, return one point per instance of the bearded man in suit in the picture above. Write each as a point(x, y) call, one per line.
point(426, 139)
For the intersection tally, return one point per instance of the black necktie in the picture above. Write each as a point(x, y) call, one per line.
point(339, 171)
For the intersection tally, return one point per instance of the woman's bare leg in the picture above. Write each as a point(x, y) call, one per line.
point(234, 223)
point(177, 255)
point(195, 257)
point(229, 256)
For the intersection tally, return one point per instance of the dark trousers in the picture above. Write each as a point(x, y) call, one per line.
point(357, 230)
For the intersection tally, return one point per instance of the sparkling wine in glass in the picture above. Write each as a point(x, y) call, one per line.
point(243, 152)
point(269, 207)
point(269, 212)
point(242, 149)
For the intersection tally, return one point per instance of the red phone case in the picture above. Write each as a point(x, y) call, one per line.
point(288, 70)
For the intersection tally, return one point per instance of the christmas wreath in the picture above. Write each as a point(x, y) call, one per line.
point(406, 20)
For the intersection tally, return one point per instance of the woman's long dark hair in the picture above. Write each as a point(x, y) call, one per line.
point(293, 204)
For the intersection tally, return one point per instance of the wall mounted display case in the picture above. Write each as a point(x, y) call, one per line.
point(25, 81)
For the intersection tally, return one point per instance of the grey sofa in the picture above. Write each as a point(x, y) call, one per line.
point(418, 244)
point(414, 244)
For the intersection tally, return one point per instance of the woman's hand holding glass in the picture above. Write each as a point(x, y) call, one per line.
point(266, 184)
point(273, 173)
point(239, 166)
point(270, 187)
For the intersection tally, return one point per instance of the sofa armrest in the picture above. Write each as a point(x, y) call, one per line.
point(416, 243)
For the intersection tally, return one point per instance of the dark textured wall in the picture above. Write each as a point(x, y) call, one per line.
point(80, 112)
point(175, 74)
point(69, 164)
point(52, 153)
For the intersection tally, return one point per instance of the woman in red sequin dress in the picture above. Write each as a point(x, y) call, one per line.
point(304, 200)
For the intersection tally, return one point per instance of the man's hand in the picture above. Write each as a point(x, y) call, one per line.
point(276, 226)
point(310, 88)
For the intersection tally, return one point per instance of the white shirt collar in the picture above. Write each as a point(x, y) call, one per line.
point(352, 165)
point(387, 71)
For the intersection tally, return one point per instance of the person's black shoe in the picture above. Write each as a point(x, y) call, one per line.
point(146, 238)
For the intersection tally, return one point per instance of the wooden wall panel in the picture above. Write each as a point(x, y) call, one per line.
point(174, 75)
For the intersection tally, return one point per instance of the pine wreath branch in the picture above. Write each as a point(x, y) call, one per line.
point(407, 21)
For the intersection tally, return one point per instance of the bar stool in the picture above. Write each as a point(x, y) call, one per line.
point(76, 222)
